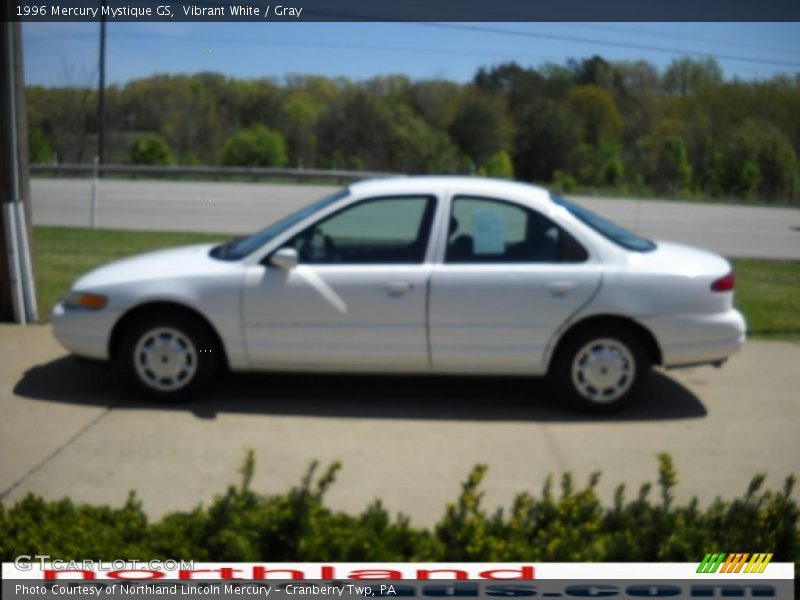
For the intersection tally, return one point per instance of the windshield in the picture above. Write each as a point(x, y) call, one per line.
point(240, 247)
point(615, 233)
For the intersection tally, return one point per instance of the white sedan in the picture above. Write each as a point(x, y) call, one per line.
point(414, 275)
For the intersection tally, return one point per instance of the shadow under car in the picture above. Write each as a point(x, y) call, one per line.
point(457, 398)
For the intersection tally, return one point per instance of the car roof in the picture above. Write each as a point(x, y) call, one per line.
point(458, 184)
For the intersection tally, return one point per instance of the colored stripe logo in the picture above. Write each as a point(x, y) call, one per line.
point(739, 562)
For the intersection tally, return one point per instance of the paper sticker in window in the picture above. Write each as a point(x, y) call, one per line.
point(488, 232)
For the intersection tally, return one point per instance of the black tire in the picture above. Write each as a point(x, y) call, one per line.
point(581, 383)
point(189, 349)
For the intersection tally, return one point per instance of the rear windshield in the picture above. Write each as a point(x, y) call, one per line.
point(612, 231)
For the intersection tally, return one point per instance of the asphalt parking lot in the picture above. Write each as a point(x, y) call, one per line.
point(69, 429)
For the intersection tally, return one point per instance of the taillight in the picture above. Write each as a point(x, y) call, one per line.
point(724, 284)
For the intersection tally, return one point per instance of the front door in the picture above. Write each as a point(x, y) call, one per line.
point(356, 300)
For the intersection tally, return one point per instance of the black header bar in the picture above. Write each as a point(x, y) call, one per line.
point(404, 10)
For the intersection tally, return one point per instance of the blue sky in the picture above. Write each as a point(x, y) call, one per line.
point(66, 53)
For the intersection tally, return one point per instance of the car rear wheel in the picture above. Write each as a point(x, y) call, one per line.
point(600, 370)
point(169, 358)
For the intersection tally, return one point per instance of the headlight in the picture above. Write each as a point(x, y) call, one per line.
point(85, 300)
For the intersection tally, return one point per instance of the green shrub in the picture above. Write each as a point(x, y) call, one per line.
point(564, 183)
point(569, 525)
point(151, 150)
point(757, 160)
point(39, 150)
point(190, 159)
point(499, 165)
point(258, 146)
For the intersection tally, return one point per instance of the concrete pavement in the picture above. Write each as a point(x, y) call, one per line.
point(69, 429)
point(736, 231)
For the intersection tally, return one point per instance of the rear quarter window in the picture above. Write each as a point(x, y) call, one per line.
point(608, 229)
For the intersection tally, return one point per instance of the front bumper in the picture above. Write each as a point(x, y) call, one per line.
point(84, 332)
point(698, 339)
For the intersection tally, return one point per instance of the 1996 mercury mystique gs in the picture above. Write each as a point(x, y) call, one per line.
point(414, 275)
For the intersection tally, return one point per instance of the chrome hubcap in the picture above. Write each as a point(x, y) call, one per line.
point(603, 370)
point(165, 359)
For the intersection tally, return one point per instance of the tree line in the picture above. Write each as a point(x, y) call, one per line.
point(685, 131)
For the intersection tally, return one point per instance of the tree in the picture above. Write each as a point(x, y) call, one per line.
point(356, 130)
point(599, 124)
point(257, 146)
point(499, 166)
point(65, 114)
point(546, 140)
point(437, 102)
point(482, 126)
point(151, 150)
point(664, 163)
point(687, 75)
point(757, 159)
point(191, 114)
point(300, 116)
point(776, 162)
point(596, 114)
point(674, 164)
point(38, 147)
point(418, 148)
point(365, 131)
point(638, 76)
point(594, 71)
point(638, 100)
point(518, 84)
point(601, 164)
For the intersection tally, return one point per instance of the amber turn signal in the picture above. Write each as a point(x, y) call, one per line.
point(88, 301)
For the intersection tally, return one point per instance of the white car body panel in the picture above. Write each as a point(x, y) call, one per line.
point(329, 317)
point(494, 320)
point(668, 292)
point(431, 317)
point(185, 276)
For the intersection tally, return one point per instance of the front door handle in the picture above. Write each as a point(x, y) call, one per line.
point(396, 289)
point(561, 288)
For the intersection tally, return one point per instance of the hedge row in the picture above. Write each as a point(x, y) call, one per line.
point(570, 524)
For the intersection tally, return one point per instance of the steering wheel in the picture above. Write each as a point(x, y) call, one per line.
point(318, 248)
point(332, 254)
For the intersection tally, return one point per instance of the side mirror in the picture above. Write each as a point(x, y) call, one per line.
point(285, 259)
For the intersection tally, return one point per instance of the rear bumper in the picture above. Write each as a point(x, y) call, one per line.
point(84, 332)
point(698, 339)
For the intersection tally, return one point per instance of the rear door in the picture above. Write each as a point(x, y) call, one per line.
point(510, 277)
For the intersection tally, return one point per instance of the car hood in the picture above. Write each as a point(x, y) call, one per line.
point(162, 264)
point(686, 260)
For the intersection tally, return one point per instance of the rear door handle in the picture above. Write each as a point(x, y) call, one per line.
point(397, 288)
point(561, 288)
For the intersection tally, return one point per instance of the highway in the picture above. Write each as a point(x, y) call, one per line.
point(236, 208)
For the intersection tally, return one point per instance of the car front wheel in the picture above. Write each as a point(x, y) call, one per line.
point(601, 370)
point(169, 358)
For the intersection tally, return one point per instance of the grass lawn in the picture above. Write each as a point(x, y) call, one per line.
point(768, 292)
point(62, 254)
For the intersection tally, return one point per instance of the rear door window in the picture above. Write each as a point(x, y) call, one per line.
point(487, 230)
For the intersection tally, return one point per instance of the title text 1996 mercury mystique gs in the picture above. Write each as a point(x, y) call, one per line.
point(414, 275)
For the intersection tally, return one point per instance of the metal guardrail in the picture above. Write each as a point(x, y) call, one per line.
point(177, 172)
